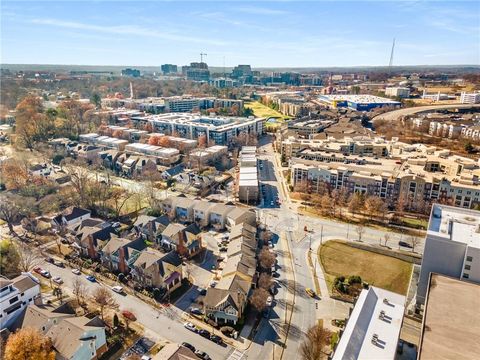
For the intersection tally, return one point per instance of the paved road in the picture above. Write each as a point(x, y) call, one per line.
point(396, 114)
point(166, 323)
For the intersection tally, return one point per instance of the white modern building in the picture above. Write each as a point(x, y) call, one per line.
point(452, 246)
point(401, 92)
point(473, 98)
point(15, 295)
point(248, 175)
point(373, 329)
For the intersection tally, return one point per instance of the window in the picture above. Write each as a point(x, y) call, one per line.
point(469, 258)
point(465, 276)
point(14, 299)
point(467, 267)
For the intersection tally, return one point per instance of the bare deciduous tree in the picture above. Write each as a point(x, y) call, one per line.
point(80, 291)
point(28, 258)
point(259, 299)
point(316, 341)
point(265, 281)
point(266, 259)
point(360, 230)
point(104, 299)
point(386, 237)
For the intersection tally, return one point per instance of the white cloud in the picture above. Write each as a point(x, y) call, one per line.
point(260, 10)
point(126, 30)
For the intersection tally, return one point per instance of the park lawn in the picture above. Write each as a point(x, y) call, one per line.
point(379, 270)
point(260, 110)
point(415, 222)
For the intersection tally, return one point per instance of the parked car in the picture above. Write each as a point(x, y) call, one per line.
point(76, 271)
point(213, 284)
point(190, 326)
point(129, 315)
point(405, 244)
point(216, 339)
point(203, 292)
point(202, 355)
point(46, 274)
point(91, 278)
point(196, 311)
point(204, 333)
point(38, 270)
point(59, 264)
point(188, 346)
point(50, 260)
point(57, 280)
point(269, 301)
point(118, 289)
point(310, 292)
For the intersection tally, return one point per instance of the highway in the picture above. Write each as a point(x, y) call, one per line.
point(396, 114)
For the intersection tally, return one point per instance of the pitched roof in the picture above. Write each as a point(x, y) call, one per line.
point(5, 282)
point(114, 244)
point(173, 229)
point(142, 220)
point(221, 209)
point(67, 334)
point(215, 297)
point(193, 229)
point(76, 213)
point(175, 352)
point(147, 258)
point(203, 205)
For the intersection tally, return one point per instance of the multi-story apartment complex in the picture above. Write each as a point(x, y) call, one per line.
point(401, 92)
point(169, 69)
point(158, 105)
point(473, 98)
point(196, 71)
point(452, 246)
point(15, 296)
point(219, 130)
point(248, 175)
point(414, 173)
point(451, 131)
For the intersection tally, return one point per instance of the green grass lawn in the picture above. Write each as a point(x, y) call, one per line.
point(379, 270)
point(415, 222)
point(261, 110)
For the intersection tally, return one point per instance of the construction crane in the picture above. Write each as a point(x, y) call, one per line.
point(201, 56)
point(391, 57)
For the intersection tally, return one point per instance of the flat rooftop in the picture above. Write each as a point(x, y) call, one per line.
point(451, 321)
point(359, 99)
point(457, 224)
point(377, 314)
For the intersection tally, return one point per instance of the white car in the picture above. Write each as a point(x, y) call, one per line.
point(57, 280)
point(269, 301)
point(76, 271)
point(190, 326)
point(117, 289)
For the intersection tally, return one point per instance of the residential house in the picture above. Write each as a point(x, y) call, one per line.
point(128, 166)
point(40, 170)
point(119, 253)
point(241, 216)
point(185, 240)
point(224, 306)
point(75, 216)
point(201, 212)
point(218, 215)
point(150, 226)
point(184, 209)
point(109, 158)
point(157, 269)
point(175, 352)
point(15, 295)
point(91, 235)
point(73, 338)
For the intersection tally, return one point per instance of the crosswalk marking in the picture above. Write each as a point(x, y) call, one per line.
point(237, 355)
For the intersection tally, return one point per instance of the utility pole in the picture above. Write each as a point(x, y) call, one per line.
point(201, 56)
point(321, 235)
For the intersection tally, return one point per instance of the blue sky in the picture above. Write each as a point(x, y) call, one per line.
point(287, 33)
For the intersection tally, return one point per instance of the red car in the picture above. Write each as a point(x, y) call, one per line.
point(38, 270)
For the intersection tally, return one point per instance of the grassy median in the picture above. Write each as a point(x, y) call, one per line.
point(383, 271)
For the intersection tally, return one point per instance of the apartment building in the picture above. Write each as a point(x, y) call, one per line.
point(373, 328)
point(445, 130)
point(163, 156)
point(401, 92)
point(216, 129)
point(377, 147)
point(472, 98)
point(471, 132)
point(415, 178)
point(15, 295)
point(452, 246)
point(248, 175)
